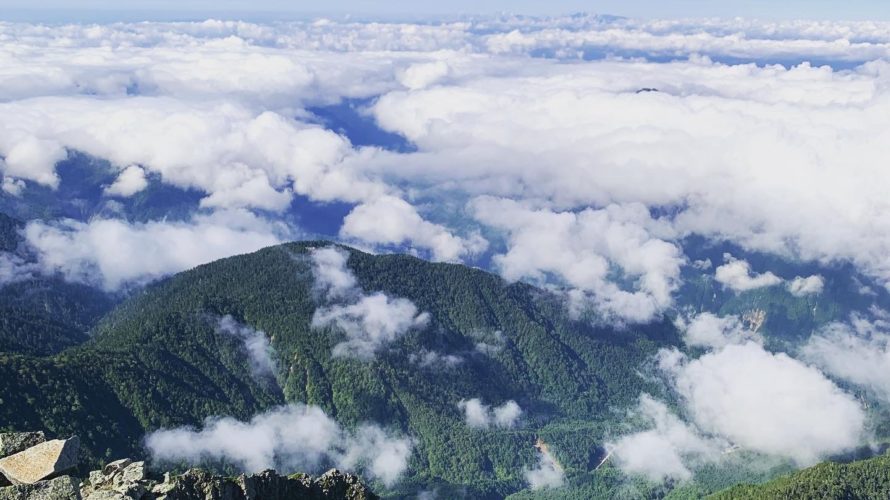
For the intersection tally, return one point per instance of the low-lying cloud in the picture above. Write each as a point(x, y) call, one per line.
point(290, 438)
point(14, 269)
point(546, 474)
point(667, 449)
point(770, 403)
point(714, 332)
point(482, 416)
point(737, 275)
point(260, 353)
point(811, 285)
point(369, 321)
point(857, 352)
point(113, 253)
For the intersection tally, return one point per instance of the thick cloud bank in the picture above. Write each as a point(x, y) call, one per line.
point(369, 321)
point(770, 403)
point(289, 438)
point(738, 395)
point(563, 173)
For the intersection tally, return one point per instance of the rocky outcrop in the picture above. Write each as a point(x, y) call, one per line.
point(128, 481)
point(14, 442)
point(60, 488)
point(42, 461)
point(35, 467)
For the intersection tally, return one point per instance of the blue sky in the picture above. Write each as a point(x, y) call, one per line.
point(164, 9)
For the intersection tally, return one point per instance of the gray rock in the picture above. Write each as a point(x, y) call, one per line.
point(14, 442)
point(132, 473)
point(116, 466)
point(42, 461)
point(60, 488)
point(106, 495)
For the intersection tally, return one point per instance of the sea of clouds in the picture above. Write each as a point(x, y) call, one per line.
point(530, 149)
point(529, 142)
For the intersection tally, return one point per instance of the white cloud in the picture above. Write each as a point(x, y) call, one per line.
point(580, 248)
point(12, 186)
point(14, 269)
point(577, 136)
point(369, 321)
point(547, 474)
point(391, 220)
point(239, 157)
point(811, 285)
point(422, 75)
point(31, 158)
point(288, 438)
point(664, 450)
point(712, 331)
point(736, 274)
point(332, 277)
point(113, 253)
point(858, 352)
point(481, 416)
point(130, 181)
point(488, 343)
point(766, 402)
point(260, 352)
point(433, 359)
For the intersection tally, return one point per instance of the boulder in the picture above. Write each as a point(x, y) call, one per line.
point(60, 488)
point(114, 467)
point(42, 461)
point(119, 480)
point(14, 442)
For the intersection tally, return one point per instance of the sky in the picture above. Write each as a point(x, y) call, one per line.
point(99, 10)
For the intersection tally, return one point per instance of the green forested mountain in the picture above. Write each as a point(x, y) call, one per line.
point(73, 362)
point(43, 315)
point(156, 361)
point(865, 479)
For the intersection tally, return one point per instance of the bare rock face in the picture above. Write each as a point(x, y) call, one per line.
point(43, 461)
point(15, 442)
point(196, 484)
point(60, 488)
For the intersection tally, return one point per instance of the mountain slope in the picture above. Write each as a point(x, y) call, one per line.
point(864, 479)
point(41, 315)
point(157, 361)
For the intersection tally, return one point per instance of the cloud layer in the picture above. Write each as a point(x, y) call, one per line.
point(509, 144)
point(293, 437)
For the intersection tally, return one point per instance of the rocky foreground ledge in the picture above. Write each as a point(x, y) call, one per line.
point(33, 468)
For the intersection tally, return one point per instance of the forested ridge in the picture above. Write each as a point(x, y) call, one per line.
point(157, 361)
